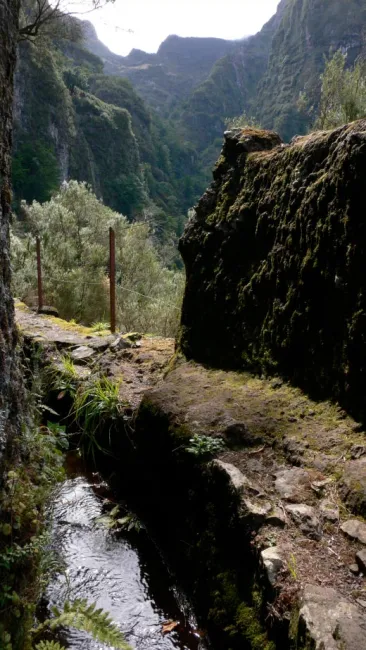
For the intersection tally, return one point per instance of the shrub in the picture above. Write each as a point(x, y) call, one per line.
point(74, 231)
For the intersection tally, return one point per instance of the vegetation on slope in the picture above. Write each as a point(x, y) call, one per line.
point(74, 231)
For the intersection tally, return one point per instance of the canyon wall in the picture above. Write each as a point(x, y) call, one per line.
point(275, 260)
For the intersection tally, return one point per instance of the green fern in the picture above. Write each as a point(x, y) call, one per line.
point(82, 616)
point(49, 645)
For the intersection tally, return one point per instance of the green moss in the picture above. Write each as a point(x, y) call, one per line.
point(248, 623)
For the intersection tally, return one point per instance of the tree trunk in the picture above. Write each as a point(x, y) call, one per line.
point(10, 385)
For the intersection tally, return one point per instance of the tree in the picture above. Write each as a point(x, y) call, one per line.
point(40, 17)
point(73, 227)
point(10, 389)
point(343, 92)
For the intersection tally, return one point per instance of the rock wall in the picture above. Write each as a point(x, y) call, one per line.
point(275, 261)
point(8, 381)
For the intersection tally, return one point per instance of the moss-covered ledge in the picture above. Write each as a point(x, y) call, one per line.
point(256, 534)
point(274, 259)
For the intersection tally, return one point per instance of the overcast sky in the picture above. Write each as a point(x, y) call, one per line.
point(153, 20)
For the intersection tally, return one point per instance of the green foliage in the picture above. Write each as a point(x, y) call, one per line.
point(343, 92)
point(96, 406)
point(292, 566)
point(26, 559)
point(74, 231)
point(113, 521)
point(249, 624)
point(205, 446)
point(100, 326)
point(242, 121)
point(83, 616)
point(63, 378)
point(35, 171)
point(76, 77)
point(49, 645)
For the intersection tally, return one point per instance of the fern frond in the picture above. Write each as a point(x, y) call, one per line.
point(49, 645)
point(85, 617)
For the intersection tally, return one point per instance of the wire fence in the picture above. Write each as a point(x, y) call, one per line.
point(113, 285)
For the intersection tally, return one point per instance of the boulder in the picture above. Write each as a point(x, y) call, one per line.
point(327, 621)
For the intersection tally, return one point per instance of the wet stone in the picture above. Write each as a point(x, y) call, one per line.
point(355, 529)
point(305, 517)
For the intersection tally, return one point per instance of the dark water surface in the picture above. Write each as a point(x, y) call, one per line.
point(124, 575)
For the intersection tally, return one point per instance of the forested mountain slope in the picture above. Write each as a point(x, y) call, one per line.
point(145, 129)
point(72, 121)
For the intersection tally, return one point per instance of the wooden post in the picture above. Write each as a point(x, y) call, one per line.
point(39, 274)
point(112, 279)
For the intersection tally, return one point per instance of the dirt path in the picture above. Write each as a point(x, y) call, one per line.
point(137, 362)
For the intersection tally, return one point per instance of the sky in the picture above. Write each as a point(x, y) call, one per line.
point(151, 21)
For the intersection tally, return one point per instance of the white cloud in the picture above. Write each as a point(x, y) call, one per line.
point(152, 21)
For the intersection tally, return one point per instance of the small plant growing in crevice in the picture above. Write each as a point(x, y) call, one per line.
point(96, 406)
point(100, 326)
point(292, 566)
point(64, 378)
point(204, 446)
point(114, 522)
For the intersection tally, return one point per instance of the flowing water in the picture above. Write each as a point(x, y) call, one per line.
point(125, 575)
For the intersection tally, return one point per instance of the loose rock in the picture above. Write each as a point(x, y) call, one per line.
point(329, 510)
point(272, 562)
point(82, 353)
point(361, 560)
point(355, 529)
point(353, 488)
point(276, 518)
point(305, 517)
point(293, 484)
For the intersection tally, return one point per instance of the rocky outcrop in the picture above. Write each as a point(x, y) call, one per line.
point(9, 387)
point(275, 262)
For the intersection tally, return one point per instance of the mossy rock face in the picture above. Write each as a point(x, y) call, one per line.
point(274, 261)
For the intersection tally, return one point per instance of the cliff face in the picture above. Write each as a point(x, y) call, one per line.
point(8, 373)
point(307, 31)
point(275, 262)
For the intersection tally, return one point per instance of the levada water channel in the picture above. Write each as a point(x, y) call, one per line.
point(122, 572)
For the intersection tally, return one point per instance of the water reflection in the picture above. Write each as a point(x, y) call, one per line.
point(128, 579)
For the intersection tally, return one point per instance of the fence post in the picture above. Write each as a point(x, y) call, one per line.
point(112, 278)
point(39, 274)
